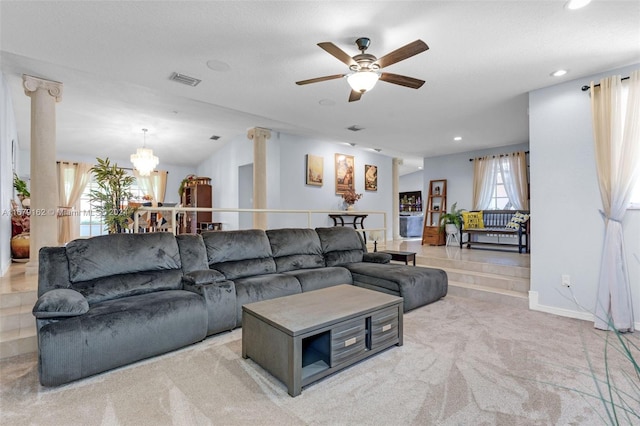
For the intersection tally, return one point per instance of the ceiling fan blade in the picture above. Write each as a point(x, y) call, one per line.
point(402, 80)
point(402, 53)
point(354, 96)
point(338, 53)
point(319, 79)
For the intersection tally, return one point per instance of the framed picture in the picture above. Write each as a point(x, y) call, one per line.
point(370, 177)
point(315, 170)
point(344, 173)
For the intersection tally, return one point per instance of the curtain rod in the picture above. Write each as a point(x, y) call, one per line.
point(123, 168)
point(585, 88)
point(501, 155)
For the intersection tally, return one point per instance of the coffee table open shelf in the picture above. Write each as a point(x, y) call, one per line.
point(305, 337)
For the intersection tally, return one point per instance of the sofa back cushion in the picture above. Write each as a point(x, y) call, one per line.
point(117, 254)
point(295, 249)
point(340, 245)
point(239, 254)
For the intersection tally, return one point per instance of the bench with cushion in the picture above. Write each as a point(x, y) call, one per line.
point(511, 223)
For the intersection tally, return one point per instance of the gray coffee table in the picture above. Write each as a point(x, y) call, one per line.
point(305, 337)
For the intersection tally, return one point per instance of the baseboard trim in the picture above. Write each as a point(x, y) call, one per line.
point(534, 305)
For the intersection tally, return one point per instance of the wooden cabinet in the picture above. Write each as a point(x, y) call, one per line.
point(436, 205)
point(197, 193)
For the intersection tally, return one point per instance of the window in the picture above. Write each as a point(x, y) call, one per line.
point(499, 199)
point(635, 195)
point(91, 224)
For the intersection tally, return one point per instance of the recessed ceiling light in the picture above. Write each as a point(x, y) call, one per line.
point(457, 138)
point(419, 167)
point(576, 4)
point(558, 73)
point(216, 65)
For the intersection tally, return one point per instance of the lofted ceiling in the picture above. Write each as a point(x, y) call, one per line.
point(115, 59)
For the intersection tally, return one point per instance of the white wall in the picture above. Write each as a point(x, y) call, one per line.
point(458, 171)
point(8, 134)
point(412, 182)
point(286, 188)
point(565, 201)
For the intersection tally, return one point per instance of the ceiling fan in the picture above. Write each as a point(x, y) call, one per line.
point(365, 68)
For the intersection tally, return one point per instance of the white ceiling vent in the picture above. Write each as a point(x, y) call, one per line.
point(355, 128)
point(184, 79)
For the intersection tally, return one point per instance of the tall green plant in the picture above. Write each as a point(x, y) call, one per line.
point(453, 217)
point(114, 189)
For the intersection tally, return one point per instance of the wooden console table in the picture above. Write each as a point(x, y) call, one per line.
point(358, 219)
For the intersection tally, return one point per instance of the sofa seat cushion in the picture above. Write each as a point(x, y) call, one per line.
point(125, 285)
point(239, 254)
point(119, 332)
point(263, 287)
point(117, 254)
point(340, 245)
point(417, 285)
point(314, 279)
point(295, 248)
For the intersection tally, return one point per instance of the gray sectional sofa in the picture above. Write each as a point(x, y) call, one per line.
point(112, 300)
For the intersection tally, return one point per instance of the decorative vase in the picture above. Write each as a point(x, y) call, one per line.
point(20, 246)
point(350, 207)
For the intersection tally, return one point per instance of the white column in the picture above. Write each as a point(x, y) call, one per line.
point(259, 137)
point(395, 190)
point(44, 182)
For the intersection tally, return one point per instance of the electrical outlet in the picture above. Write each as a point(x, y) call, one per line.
point(566, 280)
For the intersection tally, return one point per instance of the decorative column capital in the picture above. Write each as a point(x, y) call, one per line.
point(31, 84)
point(259, 133)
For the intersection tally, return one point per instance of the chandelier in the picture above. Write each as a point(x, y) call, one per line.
point(143, 160)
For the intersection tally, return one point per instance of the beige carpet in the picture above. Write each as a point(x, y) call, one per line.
point(464, 362)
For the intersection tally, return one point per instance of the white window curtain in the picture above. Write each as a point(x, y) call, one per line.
point(513, 168)
point(616, 129)
point(155, 185)
point(485, 170)
point(72, 179)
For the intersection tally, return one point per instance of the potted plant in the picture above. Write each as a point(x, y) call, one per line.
point(451, 222)
point(350, 197)
point(110, 199)
point(23, 191)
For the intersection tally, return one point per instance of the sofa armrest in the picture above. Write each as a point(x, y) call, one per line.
point(60, 303)
point(220, 298)
point(203, 276)
point(376, 257)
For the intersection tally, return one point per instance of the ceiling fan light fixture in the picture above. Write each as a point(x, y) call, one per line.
point(143, 160)
point(363, 81)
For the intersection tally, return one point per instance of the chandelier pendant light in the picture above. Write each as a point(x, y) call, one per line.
point(143, 160)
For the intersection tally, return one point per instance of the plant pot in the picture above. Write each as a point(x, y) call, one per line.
point(350, 207)
point(20, 246)
point(450, 228)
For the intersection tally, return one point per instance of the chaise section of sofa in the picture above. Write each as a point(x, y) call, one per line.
point(418, 286)
point(109, 301)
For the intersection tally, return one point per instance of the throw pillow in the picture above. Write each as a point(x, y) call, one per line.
point(517, 219)
point(472, 220)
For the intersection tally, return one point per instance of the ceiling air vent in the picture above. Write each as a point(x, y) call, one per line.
point(355, 128)
point(214, 137)
point(184, 79)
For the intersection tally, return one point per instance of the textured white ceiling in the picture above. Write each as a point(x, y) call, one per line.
point(115, 59)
